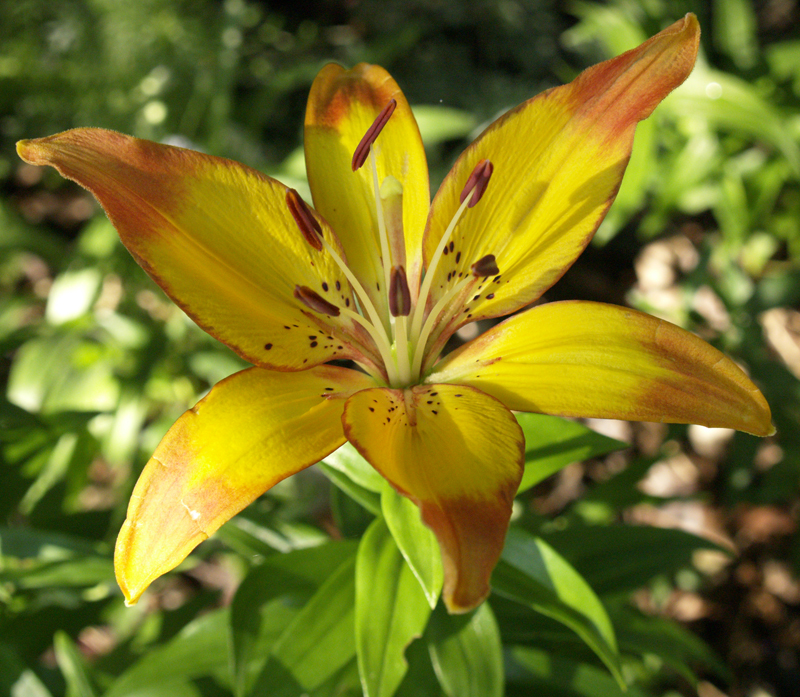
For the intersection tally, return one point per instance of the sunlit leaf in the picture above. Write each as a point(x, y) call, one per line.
point(391, 611)
point(200, 649)
point(415, 540)
point(532, 573)
point(621, 558)
point(294, 575)
point(552, 443)
point(467, 654)
point(317, 643)
point(73, 667)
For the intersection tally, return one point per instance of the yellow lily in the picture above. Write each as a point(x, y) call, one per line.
point(251, 263)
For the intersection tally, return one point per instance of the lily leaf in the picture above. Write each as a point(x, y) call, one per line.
point(317, 643)
point(534, 574)
point(73, 666)
point(416, 542)
point(639, 554)
point(550, 674)
point(295, 574)
point(200, 649)
point(552, 443)
point(391, 611)
point(349, 462)
point(466, 653)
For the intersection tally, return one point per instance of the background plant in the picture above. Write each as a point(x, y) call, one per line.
point(598, 586)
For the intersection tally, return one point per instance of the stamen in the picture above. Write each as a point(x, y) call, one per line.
point(315, 301)
point(485, 266)
point(399, 294)
point(424, 334)
point(477, 182)
point(362, 149)
point(305, 219)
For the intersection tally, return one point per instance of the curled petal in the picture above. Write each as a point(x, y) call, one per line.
point(593, 360)
point(457, 453)
point(252, 430)
point(558, 160)
point(218, 237)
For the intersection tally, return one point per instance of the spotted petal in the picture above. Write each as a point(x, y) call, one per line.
point(252, 430)
point(594, 360)
point(217, 236)
point(342, 106)
point(457, 453)
point(558, 163)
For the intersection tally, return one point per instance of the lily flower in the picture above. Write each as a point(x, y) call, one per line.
point(378, 275)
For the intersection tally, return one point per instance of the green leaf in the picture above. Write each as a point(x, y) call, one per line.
point(349, 462)
point(735, 31)
point(365, 497)
point(65, 574)
point(677, 647)
point(534, 574)
point(728, 102)
point(296, 575)
point(552, 443)
point(420, 680)
point(415, 540)
point(391, 610)
point(550, 674)
point(466, 653)
point(440, 123)
point(317, 643)
point(622, 558)
point(73, 666)
point(16, 678)
point(200, 649)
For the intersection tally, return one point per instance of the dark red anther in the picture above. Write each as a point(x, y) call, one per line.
point(485, 266)
point(399, 294)
point(315, 301)
point(477, 182)
point(362, 149)
point(305, 219)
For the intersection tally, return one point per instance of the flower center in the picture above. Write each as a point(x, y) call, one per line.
point(401, 338)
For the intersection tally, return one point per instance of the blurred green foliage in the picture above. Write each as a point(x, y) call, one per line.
point(98, 363)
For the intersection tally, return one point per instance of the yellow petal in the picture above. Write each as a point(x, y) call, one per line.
point(558, 162)
point(342, 105)
point(217, 236)
point(457, 453)
point(252, 430)
point(593, 360)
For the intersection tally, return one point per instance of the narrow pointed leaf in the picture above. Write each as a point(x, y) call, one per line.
point(416, 542)
point(555, 675)
point(73, 666)
point(552, 443)
point(317, 643)
point(364, 497)
point(467, 653)
point(296, 574)
point(200, 649)
point(533, 573)
point(391, 611)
